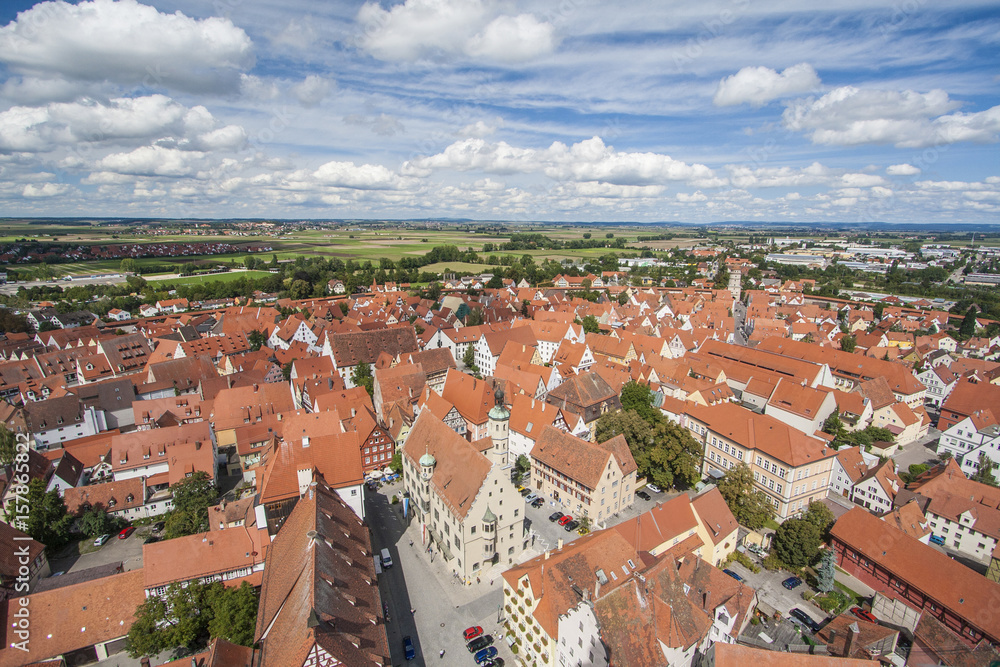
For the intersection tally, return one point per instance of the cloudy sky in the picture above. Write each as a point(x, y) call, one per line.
point(510, 110)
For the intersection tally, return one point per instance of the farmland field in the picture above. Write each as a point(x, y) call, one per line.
point(212, 277)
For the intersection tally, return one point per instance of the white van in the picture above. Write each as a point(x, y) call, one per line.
point(386, 559)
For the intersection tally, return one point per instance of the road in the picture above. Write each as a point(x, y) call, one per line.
point(739, 319)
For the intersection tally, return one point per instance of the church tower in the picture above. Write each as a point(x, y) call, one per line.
point(499, 429)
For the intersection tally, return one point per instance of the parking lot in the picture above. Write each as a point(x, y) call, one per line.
point(127, 551)
point(770, 591)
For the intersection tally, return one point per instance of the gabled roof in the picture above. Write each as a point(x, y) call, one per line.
point(579, 459)
point(582, 390)
point(461, 469)
point(351, 349)
point(319, 590)
point(472, 397)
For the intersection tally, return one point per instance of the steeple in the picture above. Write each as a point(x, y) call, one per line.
point(499, 429)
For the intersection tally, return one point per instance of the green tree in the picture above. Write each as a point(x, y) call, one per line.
point(820, 516)
point(250, 262)
point(362, 377)
point(663, 451)
point(638, 397)
point(750, 507)
point(8, 446)
point(396, 464)
point(848, 343)
point(234, 613)
point(286, 370)
point(878, 310)
point(469, 357)
point(300, 289)
point(591, 325)
point(968, 327)
point(96, 521)
point(496, 282)
point(521, 467)
point(256, 340)
point(47, 520)
point(586, 235)
point(474, 317)
point(984, 473)
point(796, 542)
point(826, 576)
point(833, 425)
point(128, 265)
point(192, 497)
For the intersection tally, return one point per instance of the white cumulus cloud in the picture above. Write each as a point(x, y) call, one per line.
point(902, 170)
point(312, 90)
point(35, 191)
point(128, 43)
point(849, 116)
point(759, 85)
point(419, 29)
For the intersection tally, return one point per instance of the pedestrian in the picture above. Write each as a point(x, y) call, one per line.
point(441, 654)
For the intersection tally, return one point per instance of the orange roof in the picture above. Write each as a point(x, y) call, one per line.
point(200, 555)
point(472, 397)
point(659, 525)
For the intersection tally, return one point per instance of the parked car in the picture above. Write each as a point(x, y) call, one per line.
point(733, 575)
point(158, 526)
point(565, 519)
point(408, 650)
point(642, 494)
point(791, 583)
point(495, 662)
point(937, 539)
point(654, 488)
point(386, 559)
point(125, 532)
point(472, 633)
point(150, 539)
point(486, 654)
point(531, 497)
point(555, 516)
point(571, 526)
point(524, 491)
point(480, 642)
point(864, 615)
point(537, 502)
point(804, 619)
point(99, 542)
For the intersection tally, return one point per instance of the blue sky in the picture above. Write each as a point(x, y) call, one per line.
point(576, 110)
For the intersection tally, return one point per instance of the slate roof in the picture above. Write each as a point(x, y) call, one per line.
point(351, 349)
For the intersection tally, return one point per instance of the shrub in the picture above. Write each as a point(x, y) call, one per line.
point(808, 595)
point(772, 562)
point(743, 560)
point(395, 500)
point(754, 621)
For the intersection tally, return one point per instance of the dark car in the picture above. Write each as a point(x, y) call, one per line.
point(537, 502)
point(804, 619)
point(486, 654)
point(126, 532)
point(158, 526)
point(643, 495)
point(495, 662)
point(408, 651)
point(151, 539)
point(571, 526)
point(733, 575)
point(555, 516)
point(525, 491)
point(791, 583)
point(480, 643)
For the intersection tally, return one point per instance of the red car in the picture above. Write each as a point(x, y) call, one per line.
point(566, 519)
point(126, 532)
point(864, 615)
point(472, 633)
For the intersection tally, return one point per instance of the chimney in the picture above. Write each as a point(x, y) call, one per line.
point(312, 490)
point(546, 554)
point(559, 544)
point(705, 598)
point(852, 634)
point(833, 637)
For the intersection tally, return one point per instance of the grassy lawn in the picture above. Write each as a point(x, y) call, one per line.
point(213, 277)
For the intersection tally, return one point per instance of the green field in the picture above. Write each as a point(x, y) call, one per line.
point(214, 277)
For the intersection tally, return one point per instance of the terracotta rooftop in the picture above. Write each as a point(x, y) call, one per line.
point(579, 459)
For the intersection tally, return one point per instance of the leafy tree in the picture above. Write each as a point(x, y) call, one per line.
point(396, 464)
point(826, 575)
point(968, 327)
point(250, 262)
point(985, 472)
point(286, 370)
point(663, 451)
point(820, 516)
point(96, 521)
point(591, 325)
point(192, 498)
point(752, 508)
point(797, 541)
point(848, 343)
point(833, 426)
point(638, 397)
point(8, 446)
point(521, 467)
point(584, 525)
point(878, 310)
point(234, 613)
point(300, 289)
point(496, 282)
point(586, 235)
point(344, 308)
point(469, 358)
point(362, 377)
point(47, 520)
point(474, 318)
point(256, 340)
point(622, 299)
point(128, 265)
